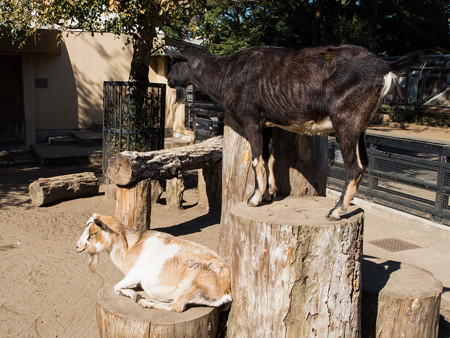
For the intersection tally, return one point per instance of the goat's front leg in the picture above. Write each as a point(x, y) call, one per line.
point(254, 137)
point(355, 160)
point(125, 288)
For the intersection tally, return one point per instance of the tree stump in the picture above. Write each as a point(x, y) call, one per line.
point(133, 205)
point(300, 170)
point(119, 316)
point(45, 191)
point(174, 191)
point(399, 300)
point(295, 274)
point(210, 187)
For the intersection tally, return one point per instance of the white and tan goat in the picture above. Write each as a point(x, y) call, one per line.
point(172, 271)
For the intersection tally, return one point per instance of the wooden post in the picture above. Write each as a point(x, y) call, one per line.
point(174, 191)
point(133, 205)
point(295, 274)
point(119, 316)
point(399, 300)
point(210, 187)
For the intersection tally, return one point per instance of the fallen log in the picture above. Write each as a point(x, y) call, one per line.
point(49, 190)
point(130, 166)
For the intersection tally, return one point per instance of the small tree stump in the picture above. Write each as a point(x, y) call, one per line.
point(210, 187)
point(118, 316)
point(133, 205)
point(295, 274)
point(174, 191)
point(45, 191)
point(399, 300)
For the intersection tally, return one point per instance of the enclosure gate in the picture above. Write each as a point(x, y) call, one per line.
point(407, 175)
point(133, 117)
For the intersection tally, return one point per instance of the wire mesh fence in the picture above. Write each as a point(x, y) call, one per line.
point(407, 175)
point(133, 117)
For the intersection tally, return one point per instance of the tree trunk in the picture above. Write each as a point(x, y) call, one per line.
point(129, 167)
point(118, 316)
point(54, 189)
point(295, 274)
point(174, 191)
point(210, 187)
point(133, 205)
point(399, 300)
point(300, 170)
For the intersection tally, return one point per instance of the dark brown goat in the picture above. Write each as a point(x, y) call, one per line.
point(310, 91)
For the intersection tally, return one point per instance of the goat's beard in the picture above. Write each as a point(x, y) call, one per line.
point(181, 94)
point(93, 259)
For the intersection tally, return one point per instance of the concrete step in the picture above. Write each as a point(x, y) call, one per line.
point(174, 142)
point(88, 138)
point(48, 154)
point(62, 140)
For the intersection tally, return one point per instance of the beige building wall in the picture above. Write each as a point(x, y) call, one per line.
point(70, 94)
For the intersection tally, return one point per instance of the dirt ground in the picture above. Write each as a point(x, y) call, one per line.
point(47, 289)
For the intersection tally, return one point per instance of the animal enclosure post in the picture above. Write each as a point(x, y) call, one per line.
point(133, 205)
point(295, 273)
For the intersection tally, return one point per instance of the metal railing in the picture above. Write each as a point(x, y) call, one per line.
point(133, 117)
point(408, 175)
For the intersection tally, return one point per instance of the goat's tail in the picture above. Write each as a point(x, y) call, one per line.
point(406, 62)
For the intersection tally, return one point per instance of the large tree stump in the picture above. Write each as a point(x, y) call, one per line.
point(295, 274)
point(45, 191)
point(118, 316)
point(133, 205)
point(399, 300)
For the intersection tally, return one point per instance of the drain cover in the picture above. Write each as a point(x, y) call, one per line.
point(394, 244)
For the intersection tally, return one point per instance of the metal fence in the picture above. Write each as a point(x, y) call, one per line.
point(133, 117)
point(407, 175)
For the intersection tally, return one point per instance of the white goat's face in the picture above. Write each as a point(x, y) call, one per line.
point(95, 238)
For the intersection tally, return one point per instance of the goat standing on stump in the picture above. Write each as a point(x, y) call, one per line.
point(172, 271)
point(313, 91)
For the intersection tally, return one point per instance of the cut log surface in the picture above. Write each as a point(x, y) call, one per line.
point(119, 316)
point(399, 300)
point(49, 190)
point(130, 167)
point(295, 274)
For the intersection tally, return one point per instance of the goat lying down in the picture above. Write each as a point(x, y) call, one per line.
point(172, 271)
point(313, 91)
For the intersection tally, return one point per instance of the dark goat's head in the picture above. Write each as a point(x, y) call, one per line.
point(181, 74)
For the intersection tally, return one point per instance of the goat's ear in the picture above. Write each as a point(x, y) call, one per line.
point(174, 53)
point(99, 223)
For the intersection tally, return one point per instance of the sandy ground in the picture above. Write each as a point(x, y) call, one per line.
point(46, 288)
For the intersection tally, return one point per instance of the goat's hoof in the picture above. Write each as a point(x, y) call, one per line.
point(269, 196)
point(334, 215)
point(254, 201)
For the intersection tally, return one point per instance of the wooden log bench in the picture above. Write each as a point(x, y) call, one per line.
point(49, 190)
point(119, 316)
point(399, 300)
point(132, 173)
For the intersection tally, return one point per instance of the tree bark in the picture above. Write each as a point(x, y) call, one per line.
point(118, 316)
point(295, 274)
point(130, 167)
point(399, 300)
point(174, 192)
point(45, 191)
point(210, 187)
point(133, 205)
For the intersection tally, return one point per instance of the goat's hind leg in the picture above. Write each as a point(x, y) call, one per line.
point(269, 160)
point(355, 161)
